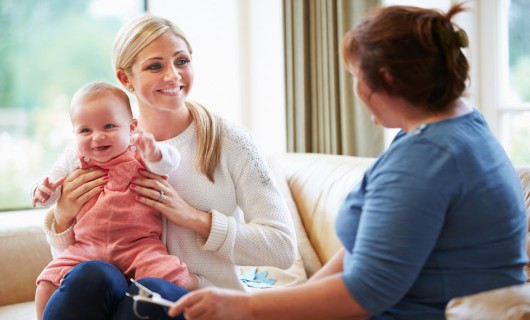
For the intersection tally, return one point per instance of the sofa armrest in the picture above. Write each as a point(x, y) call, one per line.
point(509, 303)
point(24, 252)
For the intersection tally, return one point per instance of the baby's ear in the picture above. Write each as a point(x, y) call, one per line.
point(134, 125)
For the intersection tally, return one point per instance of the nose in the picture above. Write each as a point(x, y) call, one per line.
point(172, 74)
point(98, 136)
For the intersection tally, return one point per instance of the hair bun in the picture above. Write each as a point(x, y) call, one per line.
point(461, 38)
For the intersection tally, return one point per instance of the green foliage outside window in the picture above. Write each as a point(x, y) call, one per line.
point(48, 49)
point(519, 48)
point(517, 123)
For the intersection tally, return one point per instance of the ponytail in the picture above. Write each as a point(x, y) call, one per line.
point(209, 135)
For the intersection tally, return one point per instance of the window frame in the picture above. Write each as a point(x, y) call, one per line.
point(494, 68)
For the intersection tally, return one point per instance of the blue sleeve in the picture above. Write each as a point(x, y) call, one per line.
point(406, 196)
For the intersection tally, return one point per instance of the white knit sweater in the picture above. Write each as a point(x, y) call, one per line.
point(251, 224)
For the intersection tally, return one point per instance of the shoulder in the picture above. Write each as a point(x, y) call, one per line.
point(237, 138)
point(234, 133)
point(417, 156)
point(240, 151)
point(71, 156)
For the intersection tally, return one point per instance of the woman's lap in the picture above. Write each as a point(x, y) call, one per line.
point(96, 290)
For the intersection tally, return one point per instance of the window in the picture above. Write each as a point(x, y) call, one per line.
point(238, 61)
point(504, 69)
point(515, 97)
point(49, 48)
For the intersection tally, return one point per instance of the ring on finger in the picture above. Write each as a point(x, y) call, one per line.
point(161, 196)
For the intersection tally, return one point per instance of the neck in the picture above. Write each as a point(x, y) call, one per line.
point(164, 125)
point(457, 108)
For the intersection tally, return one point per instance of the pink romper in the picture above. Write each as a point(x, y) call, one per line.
point(115, 228)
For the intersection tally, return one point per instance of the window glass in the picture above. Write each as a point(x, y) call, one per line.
point(49, 48)
point(515, 114)
point(519, 50)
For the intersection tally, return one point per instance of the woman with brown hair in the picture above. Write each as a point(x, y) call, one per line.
point(440, 214)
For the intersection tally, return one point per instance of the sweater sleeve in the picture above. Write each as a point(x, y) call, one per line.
point(266, 236)
point(58, 241)
point(63, 166)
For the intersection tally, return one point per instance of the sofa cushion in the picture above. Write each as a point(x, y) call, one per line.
point(510, 303)
point(318, 185)
point(24, 253)
point(310, 260)
point(524, 176)
point(22, 311)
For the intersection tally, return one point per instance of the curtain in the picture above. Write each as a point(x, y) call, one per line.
point(323, 115)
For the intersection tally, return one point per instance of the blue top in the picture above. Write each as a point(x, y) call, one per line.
point(440, 214)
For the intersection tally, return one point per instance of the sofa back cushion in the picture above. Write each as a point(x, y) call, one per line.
point(524, 176)
point(318, 185)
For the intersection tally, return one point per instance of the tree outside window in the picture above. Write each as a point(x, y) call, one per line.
point(49, 48)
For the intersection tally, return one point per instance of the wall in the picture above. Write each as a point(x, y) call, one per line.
point(238, 61)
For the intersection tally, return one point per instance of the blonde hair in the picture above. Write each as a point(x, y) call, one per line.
point(133, 38)
point(95, 90)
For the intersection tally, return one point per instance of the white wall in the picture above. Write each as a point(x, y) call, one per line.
point(238, 61)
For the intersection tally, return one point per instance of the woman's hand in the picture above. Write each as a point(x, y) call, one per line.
point(156, 192)
point(79, 187)
point(212, 304)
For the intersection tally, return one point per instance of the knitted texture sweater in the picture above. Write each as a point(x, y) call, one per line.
point(251, 224)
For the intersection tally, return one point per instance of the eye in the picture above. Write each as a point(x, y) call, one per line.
point(154, 67)
point(182, 62)
point(109, 126)
point(84, 131)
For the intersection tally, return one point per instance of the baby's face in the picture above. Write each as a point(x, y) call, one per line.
point(102, 127)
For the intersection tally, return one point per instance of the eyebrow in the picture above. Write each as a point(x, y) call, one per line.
point(160, 58)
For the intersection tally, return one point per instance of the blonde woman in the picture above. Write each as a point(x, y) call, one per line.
point(221, 208)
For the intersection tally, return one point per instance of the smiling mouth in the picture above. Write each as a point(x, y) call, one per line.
point(100, 148)
point(171, 90)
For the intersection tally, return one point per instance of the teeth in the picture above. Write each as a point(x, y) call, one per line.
point(174, 90)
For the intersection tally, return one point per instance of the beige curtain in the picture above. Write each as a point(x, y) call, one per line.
point(323, 115)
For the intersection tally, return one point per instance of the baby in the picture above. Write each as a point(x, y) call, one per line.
point(112, 226)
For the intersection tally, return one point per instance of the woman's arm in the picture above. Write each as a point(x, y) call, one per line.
point(171, 204)
point(332, 267)
point(326, 298)
point(79, 187)
point(266, 227)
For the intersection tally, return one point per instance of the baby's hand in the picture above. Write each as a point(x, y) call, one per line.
point(45, 190)
point(147, 145)
point(193, 282)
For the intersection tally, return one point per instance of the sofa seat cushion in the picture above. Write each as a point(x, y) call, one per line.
point(19, 311)
point(509, 303)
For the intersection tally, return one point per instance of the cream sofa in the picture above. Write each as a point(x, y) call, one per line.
point(313, 185)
